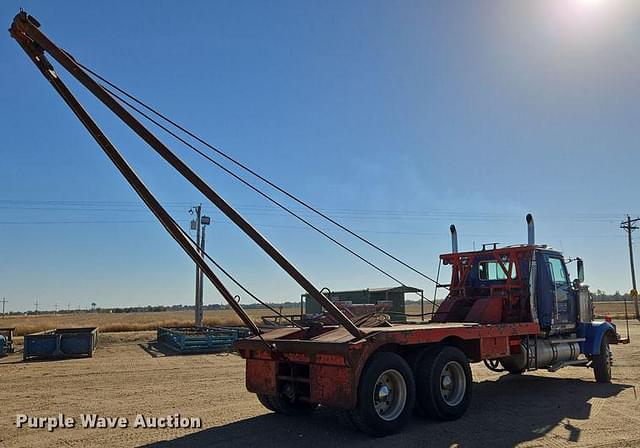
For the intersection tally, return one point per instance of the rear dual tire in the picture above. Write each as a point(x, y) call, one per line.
point(386, 395)
point(439, 386)
point(444, 384)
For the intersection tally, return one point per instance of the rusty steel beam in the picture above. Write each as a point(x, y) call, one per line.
point(39, 59)
point(26, 26)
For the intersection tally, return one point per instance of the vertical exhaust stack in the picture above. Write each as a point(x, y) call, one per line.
point(454, 239)
point(531, 230)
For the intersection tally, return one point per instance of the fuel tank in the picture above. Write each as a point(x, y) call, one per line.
point(548, 353)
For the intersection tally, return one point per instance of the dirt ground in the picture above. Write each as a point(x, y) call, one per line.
point(126, 377)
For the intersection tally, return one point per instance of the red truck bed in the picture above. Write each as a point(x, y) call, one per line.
point(328, 363)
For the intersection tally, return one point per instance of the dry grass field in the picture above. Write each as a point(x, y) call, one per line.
point(125, 377)
point(118, 322)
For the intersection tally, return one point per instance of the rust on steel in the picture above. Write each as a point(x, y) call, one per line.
point(25, 30)
point(37, 56)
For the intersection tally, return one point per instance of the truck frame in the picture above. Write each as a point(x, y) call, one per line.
point(505, 306)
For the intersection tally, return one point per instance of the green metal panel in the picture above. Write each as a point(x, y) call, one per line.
point(367, 296)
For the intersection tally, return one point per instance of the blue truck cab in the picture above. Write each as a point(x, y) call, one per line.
point(530, 283)
point(565, 313)
point(566, 307)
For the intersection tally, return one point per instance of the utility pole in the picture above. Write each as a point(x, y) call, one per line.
point(204, 222)
point(629, 226)
point(195, 225)
point(36, 306)
point(55, 309)
point(4, 302)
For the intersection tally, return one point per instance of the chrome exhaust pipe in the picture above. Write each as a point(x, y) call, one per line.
point(454, 239)
point(531, 230)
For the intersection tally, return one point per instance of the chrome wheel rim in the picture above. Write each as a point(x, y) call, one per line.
point(390, 395)
point(453, 383)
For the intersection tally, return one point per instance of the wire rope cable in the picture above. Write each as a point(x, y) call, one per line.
point(246, 168)
point(237, 283)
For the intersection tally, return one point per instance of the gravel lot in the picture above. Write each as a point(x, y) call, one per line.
point(125, 378)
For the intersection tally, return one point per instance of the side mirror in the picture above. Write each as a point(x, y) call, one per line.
point(580, 270)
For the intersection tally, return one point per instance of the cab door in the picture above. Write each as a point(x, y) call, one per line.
point(561, 292)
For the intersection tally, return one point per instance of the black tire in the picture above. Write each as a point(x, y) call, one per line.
point(602, 362)
point(386, 386)
point(265, 401)
point(415, 361)
point(444, 401)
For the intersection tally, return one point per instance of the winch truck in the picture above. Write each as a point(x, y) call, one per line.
point(514, 308)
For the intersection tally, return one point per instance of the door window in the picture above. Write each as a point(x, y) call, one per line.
point(558, 275)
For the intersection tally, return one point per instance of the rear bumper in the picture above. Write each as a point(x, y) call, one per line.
point(323, 373)
point(332, 386)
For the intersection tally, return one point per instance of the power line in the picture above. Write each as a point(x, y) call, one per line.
point(283, 226)
point(76, 222)
point(350, 213)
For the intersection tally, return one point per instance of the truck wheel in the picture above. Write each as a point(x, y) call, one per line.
point(602, 362)
point(386, 395)
point(281, 404)
point(444, 384)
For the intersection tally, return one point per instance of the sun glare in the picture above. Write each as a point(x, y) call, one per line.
point(591, 3)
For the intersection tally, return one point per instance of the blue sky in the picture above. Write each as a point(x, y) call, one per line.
point(398, 118)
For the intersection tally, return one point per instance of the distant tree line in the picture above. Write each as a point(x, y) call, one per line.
point(212, 307)
point(598, 296)
point(601, 296)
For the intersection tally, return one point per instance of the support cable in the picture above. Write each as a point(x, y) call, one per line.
point(239, 285)
point(254, 173)
point(249, 185)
